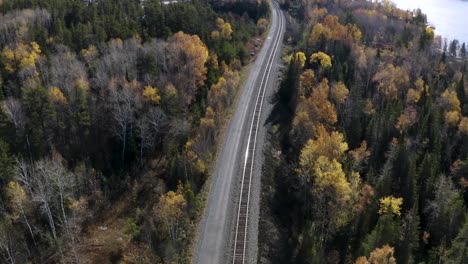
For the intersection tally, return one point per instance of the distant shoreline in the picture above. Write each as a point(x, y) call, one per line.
point(447, 16)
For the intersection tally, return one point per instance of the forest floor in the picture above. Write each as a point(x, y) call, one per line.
point(107, 239)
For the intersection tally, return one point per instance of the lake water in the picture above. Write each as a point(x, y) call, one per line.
point(450, 17)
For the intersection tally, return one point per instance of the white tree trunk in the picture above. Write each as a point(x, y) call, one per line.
point(51, 220)
point(29, 226)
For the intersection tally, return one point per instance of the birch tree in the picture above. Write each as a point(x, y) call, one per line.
point(122, 104)
point(42, 193)
point(149, 127)
point(60, 180)
point(10, 245)
point(14, 112)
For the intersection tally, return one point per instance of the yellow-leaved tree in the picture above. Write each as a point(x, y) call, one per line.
point(299, 57)
point(390, 205)
point(262, 25)
point(334, 193)
point(331, 145)
point(319, 106)
point(452, 107)
point(463, 126)
point(328, 175)
point(307, 80)
point(360, 155)
point(331, 29)
point(383, 255)
point(414, 94)
point(22, 58)
point(187, 56)
point(339, 93)
point(170, 210)
point(206, 135)
point(312, 109)
point(56, 96)
point(224, 29)
point(217, 96)
point(321, 57)
point(151, 95)
point(391, 81)
point(319, 33)
point(19, 203)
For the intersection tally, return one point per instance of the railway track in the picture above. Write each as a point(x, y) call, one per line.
point(241, 233)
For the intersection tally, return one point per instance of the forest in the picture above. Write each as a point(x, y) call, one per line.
point(110, 112)
point(367, 161)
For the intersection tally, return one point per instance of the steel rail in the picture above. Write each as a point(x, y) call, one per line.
point(240, 239)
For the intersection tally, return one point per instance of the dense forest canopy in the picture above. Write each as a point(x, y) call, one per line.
point(110, 112)
point(371, 127)
point(109, 116)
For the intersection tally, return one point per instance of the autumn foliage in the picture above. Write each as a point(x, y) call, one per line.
point(110, 113)
point(369, 142)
